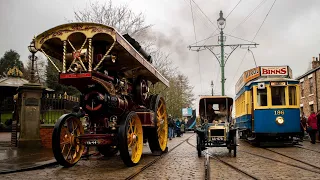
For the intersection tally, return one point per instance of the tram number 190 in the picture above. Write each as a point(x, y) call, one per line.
point(279, 112)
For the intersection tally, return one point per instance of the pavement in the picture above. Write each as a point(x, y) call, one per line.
point(16, 160)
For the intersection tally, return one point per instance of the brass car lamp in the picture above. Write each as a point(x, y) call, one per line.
point(279, 120)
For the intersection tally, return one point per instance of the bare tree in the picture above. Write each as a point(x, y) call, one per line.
point(39, 69)
point(121, 17)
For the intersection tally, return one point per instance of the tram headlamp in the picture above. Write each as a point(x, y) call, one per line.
point(280, 120)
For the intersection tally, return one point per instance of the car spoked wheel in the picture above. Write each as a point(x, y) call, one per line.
point(66, 145)
point(130, 139)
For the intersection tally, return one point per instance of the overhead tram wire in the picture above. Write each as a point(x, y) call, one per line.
point(197, 16)
point(264, 20)
point(195, 37)
point(212, 35)
point(239, 38)
point(233, 9)
point(249, 15)
point(255, 37)
point(204, 13)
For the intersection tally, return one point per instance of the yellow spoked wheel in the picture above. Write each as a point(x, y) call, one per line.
point(65, 142)
point(130, 139)
point(158, 137)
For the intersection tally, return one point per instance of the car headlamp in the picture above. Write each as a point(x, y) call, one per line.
point(279, 120)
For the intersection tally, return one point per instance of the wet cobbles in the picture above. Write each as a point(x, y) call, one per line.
point(183, 163)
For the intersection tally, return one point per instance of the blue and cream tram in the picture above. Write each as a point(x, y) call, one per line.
point(267, 105)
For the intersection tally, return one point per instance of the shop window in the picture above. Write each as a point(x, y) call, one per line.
point(311, 85)
point(311, 108)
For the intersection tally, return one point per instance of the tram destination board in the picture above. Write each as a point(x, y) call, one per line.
point(278, 83)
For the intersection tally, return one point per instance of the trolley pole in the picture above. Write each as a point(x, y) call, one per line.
point(222, 57)
point(212, 88)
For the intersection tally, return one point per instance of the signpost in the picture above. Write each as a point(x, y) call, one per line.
point(186, 112)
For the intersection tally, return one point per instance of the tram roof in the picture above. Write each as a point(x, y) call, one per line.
point(264, 79)
point(214, 97)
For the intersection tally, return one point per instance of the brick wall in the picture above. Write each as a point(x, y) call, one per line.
point(307, 98)
point(46, 135)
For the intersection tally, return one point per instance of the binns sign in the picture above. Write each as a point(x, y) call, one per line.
point(274, 71)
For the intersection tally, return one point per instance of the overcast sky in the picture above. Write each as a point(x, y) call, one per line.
point(289, 36)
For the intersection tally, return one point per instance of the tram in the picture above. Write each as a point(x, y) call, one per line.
point(267, 105)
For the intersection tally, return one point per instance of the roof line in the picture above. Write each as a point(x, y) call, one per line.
point(307, 73)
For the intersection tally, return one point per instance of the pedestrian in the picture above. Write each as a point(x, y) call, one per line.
point(318, 124)
point(303, 126)
point(178, 126)
point(171, 127)
point(312, 127)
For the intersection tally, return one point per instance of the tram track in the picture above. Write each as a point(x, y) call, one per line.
point(303, 162)
point(140, 170)
point(306, 149)
point(286, 163)
point(289, 164)
point(215, 157)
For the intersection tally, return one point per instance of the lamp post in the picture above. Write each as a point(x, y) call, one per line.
point(33, 50)
point(223, 57)
point(222, 24)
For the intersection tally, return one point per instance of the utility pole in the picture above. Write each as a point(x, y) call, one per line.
point(212, 88)
point(222, 57)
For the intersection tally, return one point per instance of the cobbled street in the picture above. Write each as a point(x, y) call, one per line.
point(182, 162)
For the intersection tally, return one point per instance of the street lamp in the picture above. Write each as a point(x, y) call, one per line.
point(221, 21)
point(33, 50)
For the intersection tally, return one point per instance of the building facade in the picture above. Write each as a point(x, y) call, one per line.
point(310, 88)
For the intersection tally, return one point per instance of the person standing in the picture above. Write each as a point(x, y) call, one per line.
point(170, 126)
point(312, 126)
point(318, 124)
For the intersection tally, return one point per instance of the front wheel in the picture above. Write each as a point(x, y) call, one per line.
point(130, 139)
point(66, 145)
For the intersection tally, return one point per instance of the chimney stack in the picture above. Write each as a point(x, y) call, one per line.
point(315, 62)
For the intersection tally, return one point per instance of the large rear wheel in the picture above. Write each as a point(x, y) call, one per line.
point(130, 139)
point(66, 145)
point(158, 136)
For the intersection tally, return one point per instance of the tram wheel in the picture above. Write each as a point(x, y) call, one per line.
point(158, 136)
point(107, 151)
point(66, 145)
point(130, 139)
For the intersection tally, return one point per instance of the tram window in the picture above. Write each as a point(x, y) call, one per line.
point(292, 95)
point(278, 96)
point(262, 97)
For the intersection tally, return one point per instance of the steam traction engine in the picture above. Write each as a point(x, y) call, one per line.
point(113, 74)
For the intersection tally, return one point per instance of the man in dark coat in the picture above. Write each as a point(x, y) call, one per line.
point(171, 127)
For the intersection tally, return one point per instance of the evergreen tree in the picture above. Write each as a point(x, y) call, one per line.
point(10, 59)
